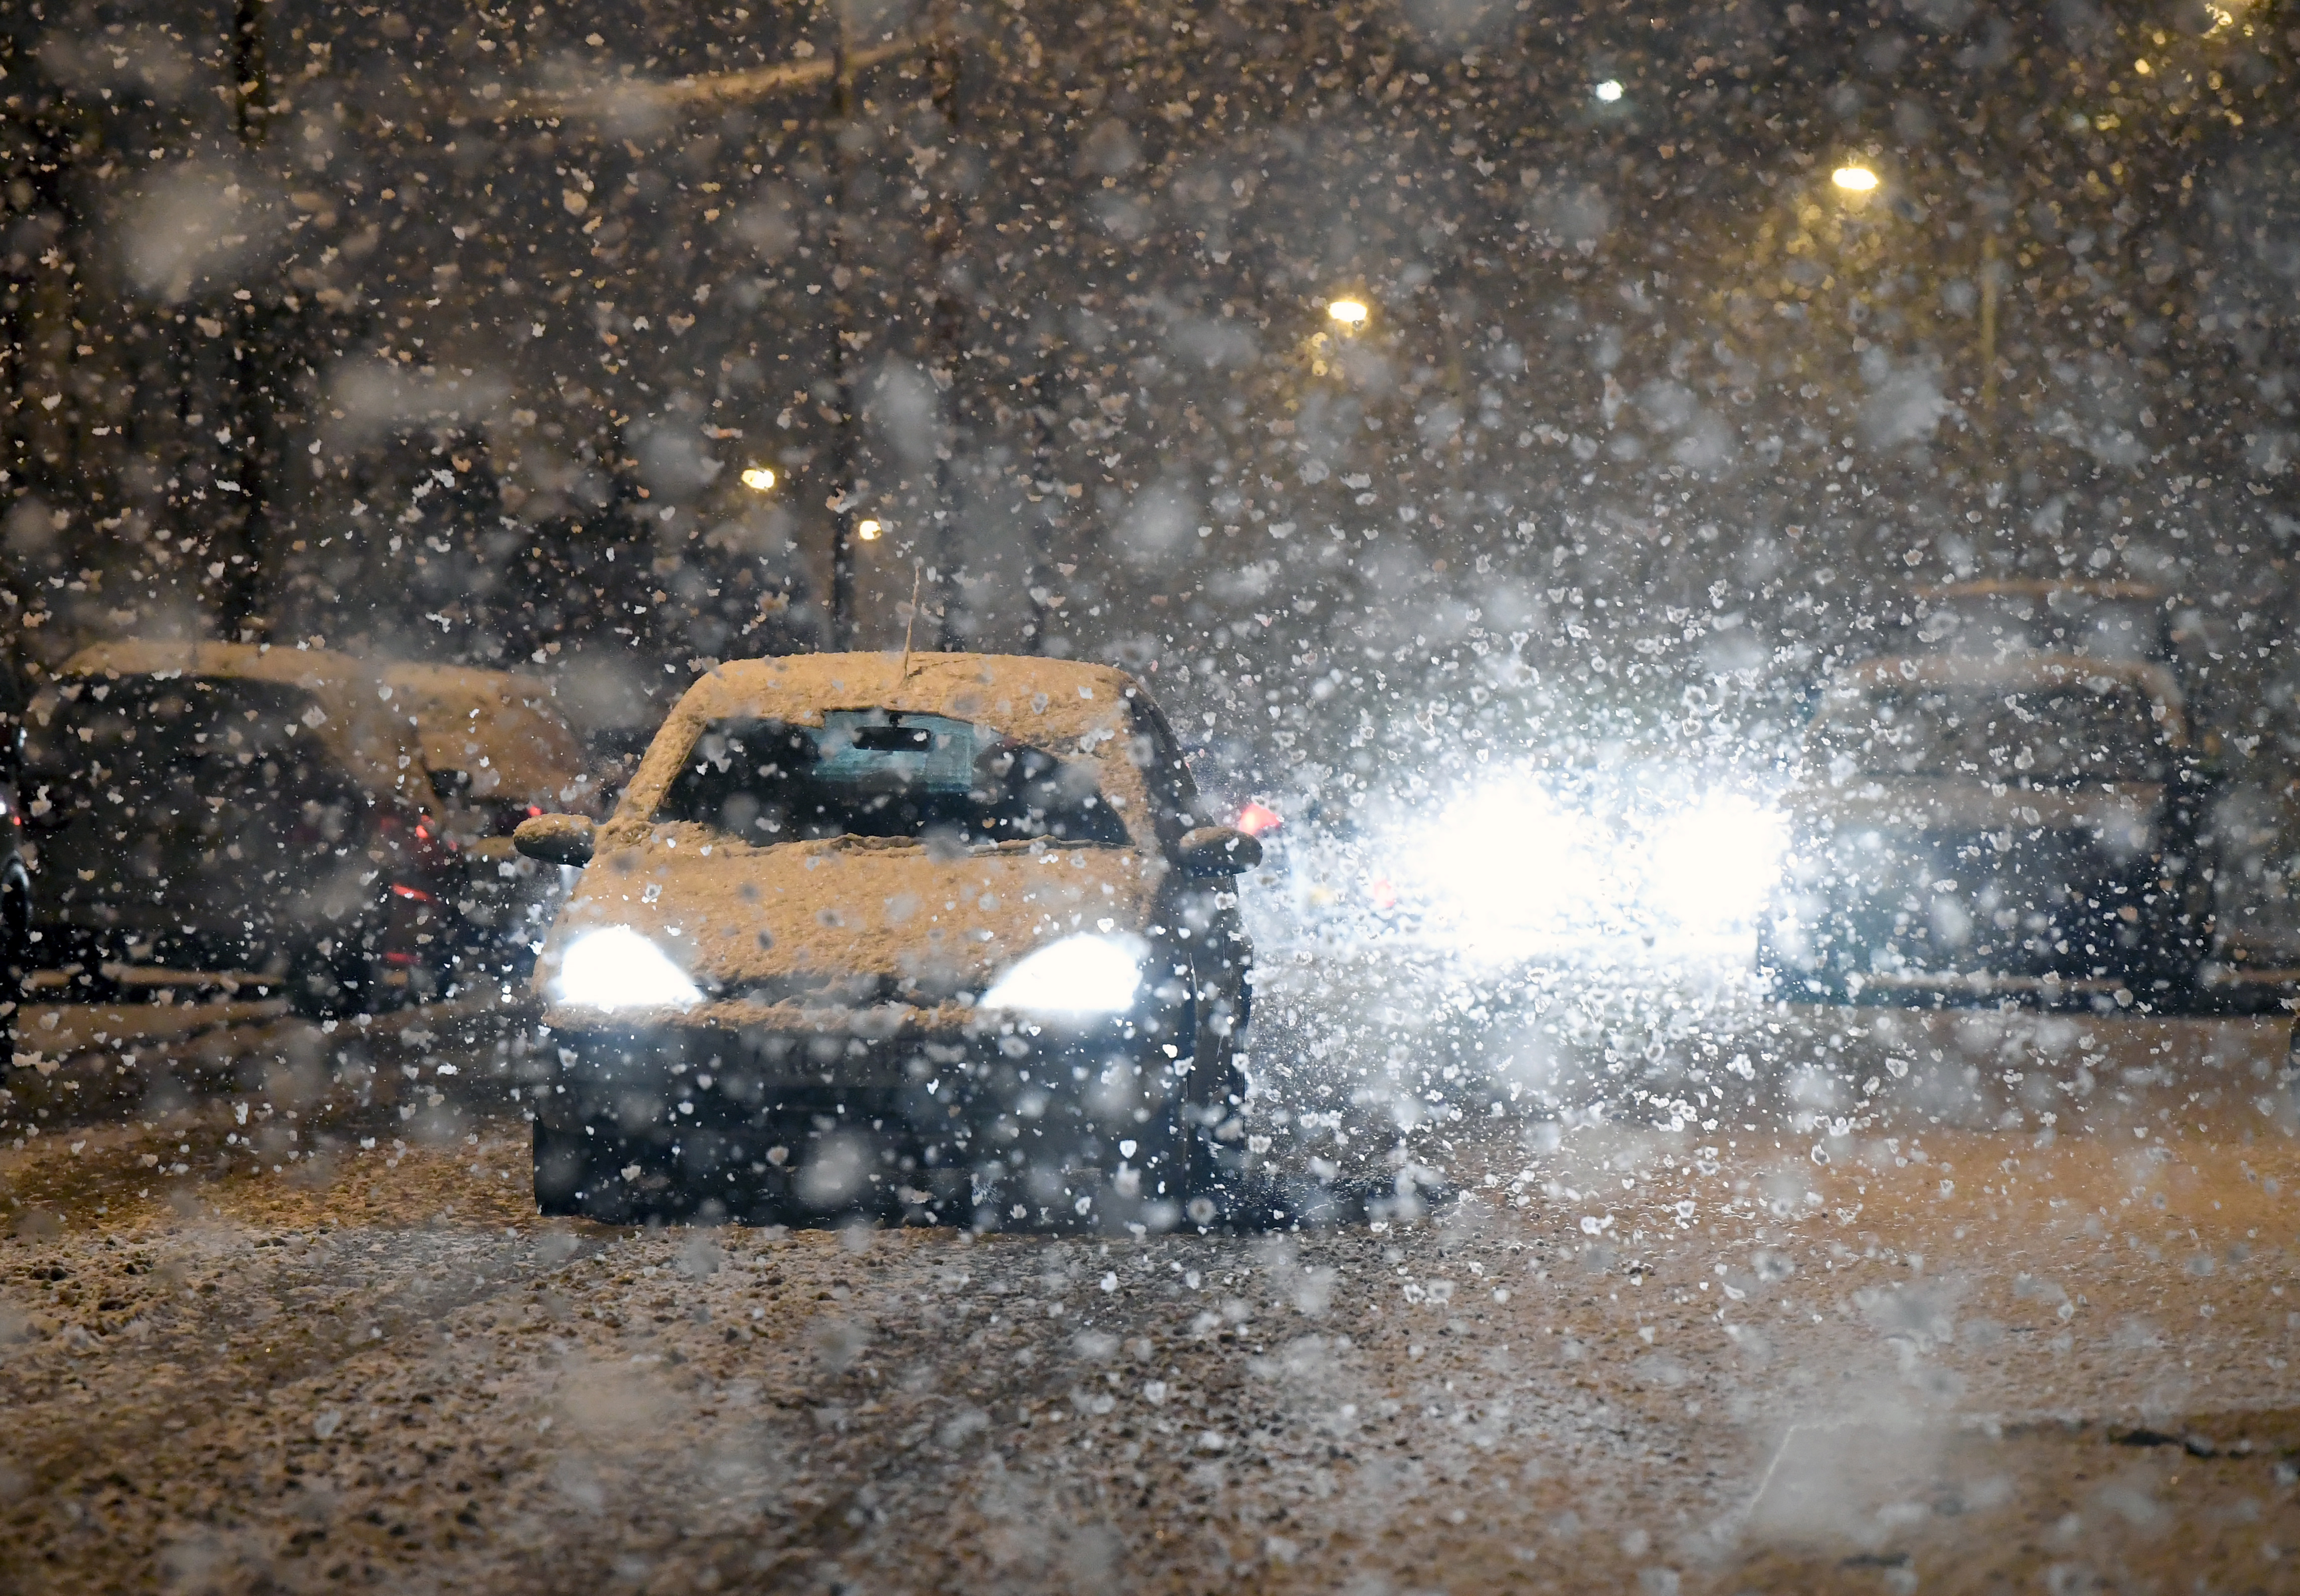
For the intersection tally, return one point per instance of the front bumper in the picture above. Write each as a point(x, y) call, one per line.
point(995, 1126)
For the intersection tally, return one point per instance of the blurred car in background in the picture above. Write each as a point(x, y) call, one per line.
point(941, 939)
point(231, 818)
point(1975, 827)
point(497, 752)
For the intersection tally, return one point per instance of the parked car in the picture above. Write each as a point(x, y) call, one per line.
point(1968, 828)
point(230, 816)
point(941, 937)
point(496, 752)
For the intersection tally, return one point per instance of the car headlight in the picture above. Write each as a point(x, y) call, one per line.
point(1078, 978)
point(616, 967)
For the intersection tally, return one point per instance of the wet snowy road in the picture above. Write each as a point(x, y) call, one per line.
point(1849, 1349)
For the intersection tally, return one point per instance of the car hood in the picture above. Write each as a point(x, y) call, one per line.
point(2127, 810)
point(844, 922)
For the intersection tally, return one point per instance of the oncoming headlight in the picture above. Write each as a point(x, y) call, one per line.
point(616, 967)
point(1078, 978)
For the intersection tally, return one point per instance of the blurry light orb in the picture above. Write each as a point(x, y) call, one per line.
point(1349, 312)
point(1709, 866)
point(1610, 90)
point(1075, 978)
point(615, 966)
point(1854, 179)
point(2141, 66)
point(758, 478)
point(868, 531)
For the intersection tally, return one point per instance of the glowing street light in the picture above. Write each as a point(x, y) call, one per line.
point(1610, 90)
point(1349, 313)
point(1854, 179)
point(868, 531)
point(759, 479)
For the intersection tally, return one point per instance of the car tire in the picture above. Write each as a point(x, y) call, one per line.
point(1212, 1171)
point(341, 977)
point(333, 983)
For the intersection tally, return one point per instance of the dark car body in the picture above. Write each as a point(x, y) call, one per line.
point(496, 752)
point(15, 878)
point(238, 815)
point(1968, 829)
point(938, 938)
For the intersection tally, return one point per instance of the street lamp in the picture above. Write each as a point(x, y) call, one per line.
point(1349, 313)
point(868, 531)
point(1610, 90)
point(1854, 179)
point(758, 478)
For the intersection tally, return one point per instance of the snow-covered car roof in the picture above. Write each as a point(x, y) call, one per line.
point(361, 728)
point(503, 722)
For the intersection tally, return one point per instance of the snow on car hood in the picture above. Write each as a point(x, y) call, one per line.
point(844, 922)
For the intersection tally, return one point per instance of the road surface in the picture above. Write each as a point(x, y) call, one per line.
point(275, 1314)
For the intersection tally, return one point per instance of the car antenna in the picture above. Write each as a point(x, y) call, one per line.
point(918, 577)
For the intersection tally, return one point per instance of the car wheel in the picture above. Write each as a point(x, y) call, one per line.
point(562, 1170)
point(581, 1175)
point(1212, 1164)
point(328, 981)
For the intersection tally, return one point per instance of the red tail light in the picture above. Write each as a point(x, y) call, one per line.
point(423, 846)
point(1257, 820)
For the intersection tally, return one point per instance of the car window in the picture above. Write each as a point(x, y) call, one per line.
point(2058, 736)
point(224, 739)
point(871, 773)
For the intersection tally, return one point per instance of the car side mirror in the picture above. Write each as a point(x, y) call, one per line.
point(1217, 851)
point(555, 839)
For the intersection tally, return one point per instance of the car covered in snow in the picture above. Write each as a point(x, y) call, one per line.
point(934, 936)
point(498, 752)
point(236, 817)
point(1968, 828)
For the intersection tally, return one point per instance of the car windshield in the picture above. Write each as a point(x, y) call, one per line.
point(223, 739)
point(875, 773)
point(196, 793)
point(2063, 735)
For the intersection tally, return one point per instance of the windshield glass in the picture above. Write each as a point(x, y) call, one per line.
point(871, 773)
point(188, 792)
point(2105, 732)
point(187, 737)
